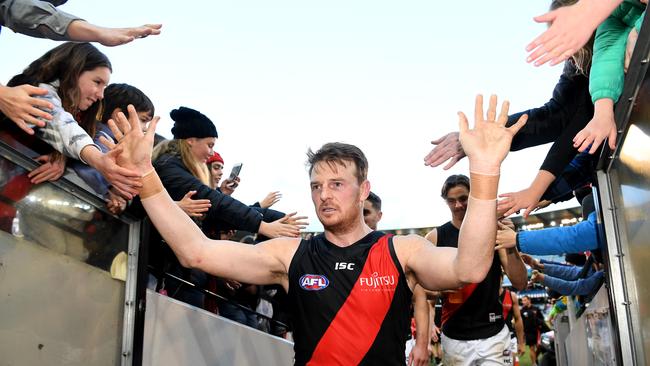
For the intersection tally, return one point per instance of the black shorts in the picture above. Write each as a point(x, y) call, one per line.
point(532, 339)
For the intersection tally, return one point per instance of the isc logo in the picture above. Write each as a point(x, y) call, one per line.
point(312, 282)
point(344, 265)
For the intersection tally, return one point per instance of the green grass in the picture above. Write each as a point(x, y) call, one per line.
point(524, 360)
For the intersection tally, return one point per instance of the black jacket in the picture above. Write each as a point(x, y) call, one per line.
point(178, 180)
point(558, 121)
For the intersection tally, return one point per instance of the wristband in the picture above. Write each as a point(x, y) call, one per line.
point(484, 186)
point(151, 185)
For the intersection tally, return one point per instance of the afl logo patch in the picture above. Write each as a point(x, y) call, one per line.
point(312, 282)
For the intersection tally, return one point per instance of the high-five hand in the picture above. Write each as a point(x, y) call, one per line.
point(134, 147)
point(488, 143)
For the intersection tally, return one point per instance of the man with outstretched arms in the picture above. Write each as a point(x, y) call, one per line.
point(349, 288)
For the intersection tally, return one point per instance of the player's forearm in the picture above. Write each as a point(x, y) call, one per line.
point(432, 313)
point(178, 230)
point(421, 314)
point(478, 232)
point(484, 181)
point(516, 269)
point(519, 331)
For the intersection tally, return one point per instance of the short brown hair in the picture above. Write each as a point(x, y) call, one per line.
point(339, 153)
point(374, 200)
point(453, 181)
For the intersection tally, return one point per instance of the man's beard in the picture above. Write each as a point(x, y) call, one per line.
point(342, 226)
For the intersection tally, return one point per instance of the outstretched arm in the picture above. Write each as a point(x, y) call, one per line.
point(571, 27)
point(83, 31)
point(566, 112)
point(526, 199)
point(486, 145)
point(582, 286)
point(556, 240)
point(41, 19)
point(257, 264)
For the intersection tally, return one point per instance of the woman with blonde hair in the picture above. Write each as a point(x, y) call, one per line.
point(181, 165)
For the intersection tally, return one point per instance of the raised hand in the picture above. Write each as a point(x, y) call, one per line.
point(571, 27)
point(488, 143)
point(135, 146)
point(292, 219)
point(19, 105)
point(525, 199)
point(602, 126)
point(125, 181)
point(278, 229)
point(50, 170)
point(193, 208)
point(271, 199)
point(448, 147)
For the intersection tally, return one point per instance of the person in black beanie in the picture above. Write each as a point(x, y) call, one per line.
point(181, 165)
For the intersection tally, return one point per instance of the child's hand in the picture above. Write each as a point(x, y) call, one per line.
point(600, 127)
point(513, 202)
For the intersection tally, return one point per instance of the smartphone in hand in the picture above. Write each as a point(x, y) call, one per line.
point(234, 173)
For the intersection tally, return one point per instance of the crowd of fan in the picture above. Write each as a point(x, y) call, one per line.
point(62, 105)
